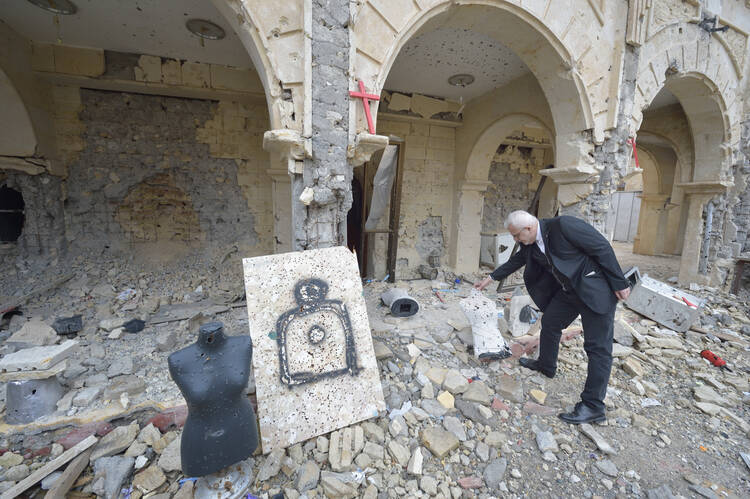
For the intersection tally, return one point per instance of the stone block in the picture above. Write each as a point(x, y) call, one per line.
point(37, 374)
point(148, 68)
point(439, 441)
point(78, 61)
point(37, 358)
point(399, 102)
point(312, 347)
point(34, 332)
point(196, 74)
point(239, 80)
point(171, 72)
point(427, 106)
point(632, 367)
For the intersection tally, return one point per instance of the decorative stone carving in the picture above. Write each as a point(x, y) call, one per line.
point(287, 146)
point(365, 145)
point(637, 16)
point(736, 42)
point(666, 12)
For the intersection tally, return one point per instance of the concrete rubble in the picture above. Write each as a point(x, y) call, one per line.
point(454, 426)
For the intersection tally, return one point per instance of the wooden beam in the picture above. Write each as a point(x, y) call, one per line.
point(49, 467)
point(69, 476)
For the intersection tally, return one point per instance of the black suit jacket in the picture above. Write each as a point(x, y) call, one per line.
point(580, 253)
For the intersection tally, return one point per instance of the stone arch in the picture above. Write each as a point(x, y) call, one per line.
point(17, 136)
point(699, 70)
point(246, 22)
point(546, 47)
point(652, 177)
point(483, 150)
point(467, 219)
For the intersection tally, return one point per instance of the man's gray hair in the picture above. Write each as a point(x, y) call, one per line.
point(520, 219)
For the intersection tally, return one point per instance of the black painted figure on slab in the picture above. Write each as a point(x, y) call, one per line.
point(212, 373)
point(315, 338)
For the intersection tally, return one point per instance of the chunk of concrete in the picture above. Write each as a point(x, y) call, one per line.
point(36, 358)
point(34, 332)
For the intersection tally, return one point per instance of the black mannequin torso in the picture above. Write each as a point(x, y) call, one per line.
point(212, 373)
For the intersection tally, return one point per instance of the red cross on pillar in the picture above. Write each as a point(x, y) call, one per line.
point(631, 141)
point(366, 98)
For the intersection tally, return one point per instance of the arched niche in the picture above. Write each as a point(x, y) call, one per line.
point(467, 218)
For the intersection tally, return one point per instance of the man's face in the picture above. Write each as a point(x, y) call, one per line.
point(524, 235)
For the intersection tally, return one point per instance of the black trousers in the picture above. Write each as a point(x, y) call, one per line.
point(598, 332)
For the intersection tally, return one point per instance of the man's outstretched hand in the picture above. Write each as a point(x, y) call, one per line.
point(483, 283)
point(623, 294)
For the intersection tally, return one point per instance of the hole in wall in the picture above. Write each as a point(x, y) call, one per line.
point(11, 214)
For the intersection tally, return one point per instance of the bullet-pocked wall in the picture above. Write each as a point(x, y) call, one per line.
point(514, 177)
point(137, 150)
point(426, 195)
point(155, 169)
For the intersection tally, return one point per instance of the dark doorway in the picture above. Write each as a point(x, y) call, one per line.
point(11, 214)
point(389, 212)
point(354, 220)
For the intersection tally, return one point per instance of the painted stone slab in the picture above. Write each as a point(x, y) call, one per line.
point(313, 359)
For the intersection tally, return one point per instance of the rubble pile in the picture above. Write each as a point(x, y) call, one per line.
point(454, 427)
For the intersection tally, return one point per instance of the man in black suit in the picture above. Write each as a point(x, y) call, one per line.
point(571, 270)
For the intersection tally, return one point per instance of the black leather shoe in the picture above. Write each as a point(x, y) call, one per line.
point(534, 366)
point(582, 414)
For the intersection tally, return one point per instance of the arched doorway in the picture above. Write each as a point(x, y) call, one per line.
point(696, 75)
point(454, 75)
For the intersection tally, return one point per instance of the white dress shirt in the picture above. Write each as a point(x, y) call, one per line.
point(539, 240)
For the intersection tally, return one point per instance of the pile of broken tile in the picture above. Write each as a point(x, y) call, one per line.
point(454, 427)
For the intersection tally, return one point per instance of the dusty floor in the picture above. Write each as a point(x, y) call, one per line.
point(673, 444)
point(661, 267)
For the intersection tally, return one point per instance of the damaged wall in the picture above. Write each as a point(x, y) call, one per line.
point(143, 175)
point(164, 151)
point(427, 192)
point(514, 177)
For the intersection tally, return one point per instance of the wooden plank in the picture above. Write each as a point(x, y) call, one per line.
point(49, 467)
point(69, 476)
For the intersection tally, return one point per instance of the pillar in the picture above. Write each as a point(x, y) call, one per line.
point(697, 194)
point(651, 225)
point(468, 226)
point(287, 161)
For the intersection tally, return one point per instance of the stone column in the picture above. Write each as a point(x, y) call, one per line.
point(465, 245)
point(287, 161)
point(651, 225)
point(325, 184)
point(697, 194)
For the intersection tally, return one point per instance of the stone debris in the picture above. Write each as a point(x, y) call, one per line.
point(594, 435)
point(455, 427)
